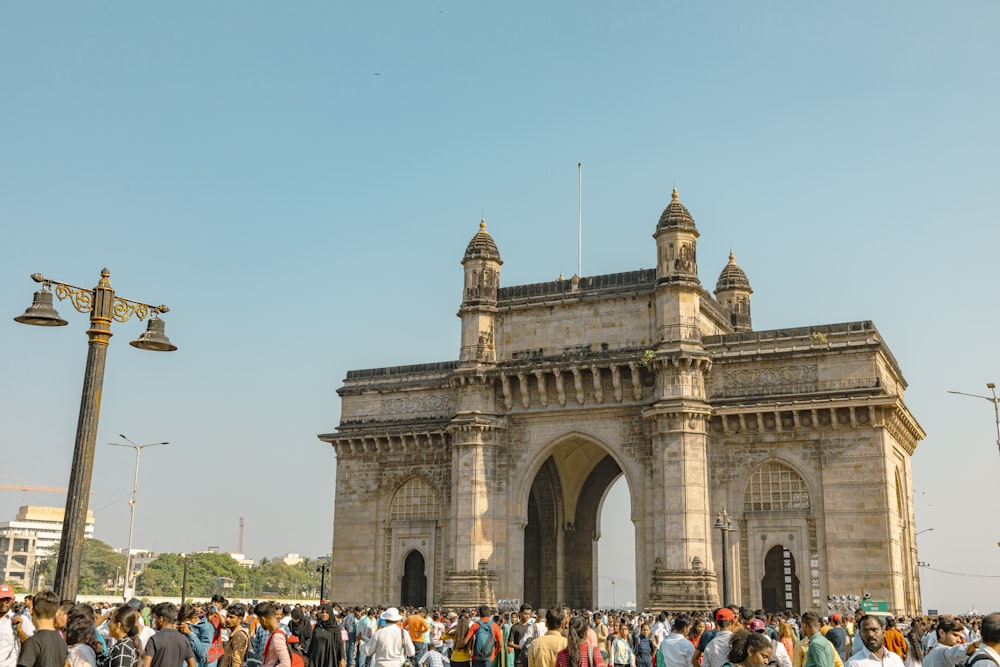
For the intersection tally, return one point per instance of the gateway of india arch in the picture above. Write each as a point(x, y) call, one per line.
point(480, 479)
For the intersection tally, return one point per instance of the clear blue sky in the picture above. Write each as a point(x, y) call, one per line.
point(298, 182)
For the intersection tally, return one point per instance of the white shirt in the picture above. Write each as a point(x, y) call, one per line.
point(865, 658)
point(390, 646)
point(677, 651)
point(8, 645)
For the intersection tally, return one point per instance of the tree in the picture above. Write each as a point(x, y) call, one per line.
point(100, 567)
point(165, 575)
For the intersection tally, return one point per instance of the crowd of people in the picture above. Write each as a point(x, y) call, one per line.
point(46, 632)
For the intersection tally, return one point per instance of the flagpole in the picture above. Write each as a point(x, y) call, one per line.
point(579, 233)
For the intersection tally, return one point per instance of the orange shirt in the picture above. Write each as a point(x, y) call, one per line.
point(417, 626)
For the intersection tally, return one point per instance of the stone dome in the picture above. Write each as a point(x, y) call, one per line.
point(675, 215)
point(482, 245)
point(732, 276)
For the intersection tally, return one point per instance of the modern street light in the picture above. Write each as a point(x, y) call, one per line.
point(925, 530)
point(994, 400)
point(126, 593)
point(725, 524)
point(103, 306)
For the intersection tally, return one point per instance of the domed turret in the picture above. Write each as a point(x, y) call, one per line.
point(732, 276)
point(479, 300)
point(482, 246)
point(733, 293)
point(676, 245)
point(675, 215)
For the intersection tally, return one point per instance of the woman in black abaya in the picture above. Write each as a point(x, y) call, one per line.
point(327, 647)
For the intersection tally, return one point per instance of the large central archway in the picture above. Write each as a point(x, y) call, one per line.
point(562, 529)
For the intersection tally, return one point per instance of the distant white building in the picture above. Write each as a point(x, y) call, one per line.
point(292, 559)
point(25, 542)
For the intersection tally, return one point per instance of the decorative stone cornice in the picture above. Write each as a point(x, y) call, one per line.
point(374, 442)
point(820, 416)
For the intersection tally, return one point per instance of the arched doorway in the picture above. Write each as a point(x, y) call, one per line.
point(414, 585)
point(561, 531)
point(779, 588)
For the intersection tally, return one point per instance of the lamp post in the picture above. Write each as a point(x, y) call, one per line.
point(322, 569)
point(994, 400)
point(131, 520)
point(103, 306)
point(725, 524)
point(184, 580)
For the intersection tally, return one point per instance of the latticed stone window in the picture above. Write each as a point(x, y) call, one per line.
point(415, 499)
point(776, 487)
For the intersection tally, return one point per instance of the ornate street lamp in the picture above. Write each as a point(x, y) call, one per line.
point(322, 569)
point(103, 306)
point(725, 523)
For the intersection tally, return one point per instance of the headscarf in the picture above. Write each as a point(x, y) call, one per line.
point(330, 621)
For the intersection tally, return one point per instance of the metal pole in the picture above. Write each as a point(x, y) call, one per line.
point(74, 527)
point(184, 580)
point(322, 581)
point(725, 566)
point(996, 410)
point(135, 488)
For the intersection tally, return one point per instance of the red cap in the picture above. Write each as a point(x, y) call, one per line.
point(6, 591)
point(756, 625)
point(837, 617)
point(724, 614)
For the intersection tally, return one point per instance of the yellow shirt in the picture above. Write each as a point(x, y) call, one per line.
point(543, 651)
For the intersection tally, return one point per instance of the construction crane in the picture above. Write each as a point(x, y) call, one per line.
point(25, 488)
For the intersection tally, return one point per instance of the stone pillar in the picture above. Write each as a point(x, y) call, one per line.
point(477, 523)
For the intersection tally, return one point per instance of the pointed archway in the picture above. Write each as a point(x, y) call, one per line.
point(779, 588)
point(562, 526)
point(414, 585)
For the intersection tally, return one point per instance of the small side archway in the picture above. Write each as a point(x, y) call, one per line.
point(413, 586)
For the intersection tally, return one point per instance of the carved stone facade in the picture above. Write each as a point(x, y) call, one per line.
point(468, 481)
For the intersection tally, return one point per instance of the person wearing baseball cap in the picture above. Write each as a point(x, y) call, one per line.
point(717, 652)
point(9, 640)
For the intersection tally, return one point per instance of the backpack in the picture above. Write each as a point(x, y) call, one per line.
point(252, 658)
point(295, 651)
point(483, 642)
point(976, 657)
point(215, 650)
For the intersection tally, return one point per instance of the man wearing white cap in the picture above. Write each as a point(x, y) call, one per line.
point(390, 646)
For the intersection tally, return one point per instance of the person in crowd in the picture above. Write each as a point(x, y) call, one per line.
point(517, 633)
point(81, 637)
point(749, 649)
point(390, 646)
point(124, 627)
point(275, 653)
point(544, 650)
point(642, 646)
point(989, 636)
point(45, 647)
point(461, 655)
point(717, 650)
point(779, 656)
point(820, 652)
point(326, 648)
point(620, 652)
point(239, 639)
point(579, 651)
point(893, 638)
point(875, 653)
point(301, 630)
point(168, 647)
point(949, 649)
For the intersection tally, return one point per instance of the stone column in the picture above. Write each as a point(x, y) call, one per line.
point(478, 523)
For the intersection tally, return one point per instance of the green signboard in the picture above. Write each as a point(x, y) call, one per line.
point(874, 605)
